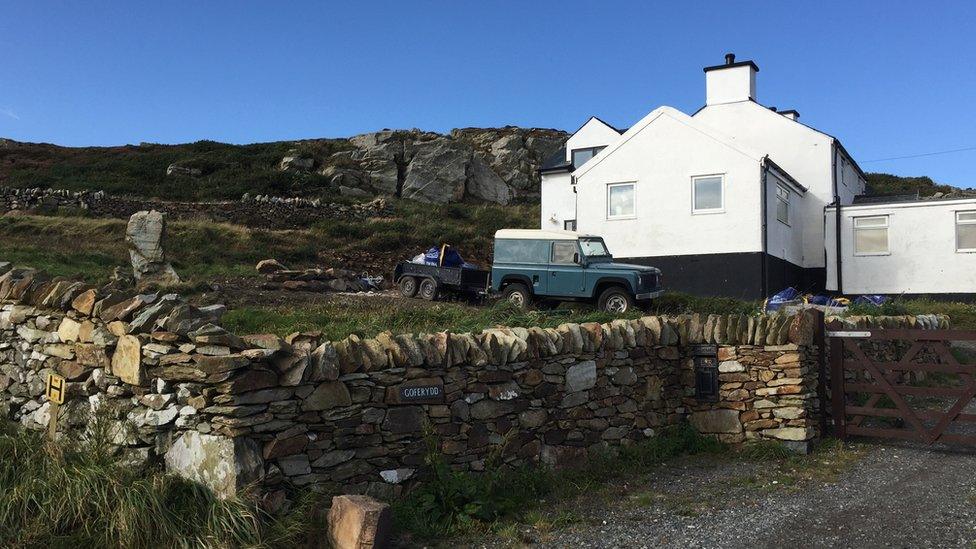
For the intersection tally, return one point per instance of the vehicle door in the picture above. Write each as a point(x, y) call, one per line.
point(565, 272)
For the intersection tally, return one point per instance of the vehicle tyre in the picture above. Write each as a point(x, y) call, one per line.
point(518, 295)
point(408, 286)
point(429, 289)
point(615, 300)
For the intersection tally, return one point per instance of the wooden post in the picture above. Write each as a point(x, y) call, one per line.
point(837, 399)
point(52, 423)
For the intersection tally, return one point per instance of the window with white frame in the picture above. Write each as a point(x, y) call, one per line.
point(871, 235)
point(783, 204)
point(966, 231)
point(620, 201)
point(707, 194)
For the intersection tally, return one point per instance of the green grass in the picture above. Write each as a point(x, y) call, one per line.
point(452, 502)
point(367, 317)
point(76, 495)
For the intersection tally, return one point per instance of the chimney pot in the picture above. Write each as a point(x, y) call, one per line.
point(729, 58)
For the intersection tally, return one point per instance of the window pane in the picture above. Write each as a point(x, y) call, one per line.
point(782, 211)
point(871, 241)
point(879, 221)
point(967, 216)
point(782, 193)
point(621, 201)
point(708, 193)
point(569, 225)
point(966, 237)
point(580, 156)
point(562, 252)
point(522, 251)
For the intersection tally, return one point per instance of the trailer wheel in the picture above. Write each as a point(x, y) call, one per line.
point(408, 286)
point(429, 289)
point(517, 294)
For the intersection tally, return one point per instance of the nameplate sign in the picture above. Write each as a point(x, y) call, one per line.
point(422, 393)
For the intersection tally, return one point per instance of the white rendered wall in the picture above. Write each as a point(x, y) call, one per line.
point(661, 159)
point(804, 153)
point(784, 241)
point(730, 85)
point(558, 200)
point(593, 134)
point(922, 246)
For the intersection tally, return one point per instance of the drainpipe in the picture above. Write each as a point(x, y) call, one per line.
point(765, 229)
point(838, 257)
point(572, 181)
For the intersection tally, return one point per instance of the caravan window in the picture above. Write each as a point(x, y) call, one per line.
point(966, 231)
point(871, 235)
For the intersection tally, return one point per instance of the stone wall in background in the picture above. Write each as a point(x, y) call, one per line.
point(356, 415)
point(258, 212)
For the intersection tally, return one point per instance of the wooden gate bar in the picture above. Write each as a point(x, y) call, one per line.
point(879, 379)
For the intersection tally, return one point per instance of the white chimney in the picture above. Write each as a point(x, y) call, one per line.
point(731, 82)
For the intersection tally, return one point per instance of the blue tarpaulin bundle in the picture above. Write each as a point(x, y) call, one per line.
point(870, 300)
point(451, 258)
point(785, 296)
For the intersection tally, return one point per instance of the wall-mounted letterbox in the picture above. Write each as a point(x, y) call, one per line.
point(706, 372)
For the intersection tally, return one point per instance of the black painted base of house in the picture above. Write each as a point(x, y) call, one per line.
point(738, 275)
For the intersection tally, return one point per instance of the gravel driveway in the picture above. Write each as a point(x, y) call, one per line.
point(893, 495)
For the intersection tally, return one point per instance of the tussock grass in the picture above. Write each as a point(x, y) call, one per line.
point(458, 503)
point(76, 495)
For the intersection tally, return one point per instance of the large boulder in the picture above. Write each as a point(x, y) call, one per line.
point(145, 234)
point(223, 464)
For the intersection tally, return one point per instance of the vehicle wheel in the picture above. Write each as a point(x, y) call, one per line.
point(428, 289)
point(518, 295)
point(615, 300)
point(408, 286)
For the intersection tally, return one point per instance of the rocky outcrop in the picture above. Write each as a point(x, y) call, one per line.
point(144, 235)
point(486, 165)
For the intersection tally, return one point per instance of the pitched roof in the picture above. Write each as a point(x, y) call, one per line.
point(680, 117)
point(557, 162)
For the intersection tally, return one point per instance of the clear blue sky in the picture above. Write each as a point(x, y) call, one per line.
point(887, 78)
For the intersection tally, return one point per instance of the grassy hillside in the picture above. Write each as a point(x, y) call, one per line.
point(228, 171)
point(199, 250)
point(886, 183)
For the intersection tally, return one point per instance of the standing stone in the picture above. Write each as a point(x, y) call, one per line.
point(224, 465)
point(145, 234)
point(359, 522)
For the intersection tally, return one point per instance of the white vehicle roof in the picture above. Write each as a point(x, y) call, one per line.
point(538, 234)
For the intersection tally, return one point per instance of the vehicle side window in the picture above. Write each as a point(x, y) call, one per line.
point(521, 251)
point(563, 252)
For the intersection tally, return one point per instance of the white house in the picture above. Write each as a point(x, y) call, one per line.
point(727, 201)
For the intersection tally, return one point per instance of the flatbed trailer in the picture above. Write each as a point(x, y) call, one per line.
point(431, 281)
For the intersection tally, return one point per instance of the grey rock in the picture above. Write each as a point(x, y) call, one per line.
point(224, 465)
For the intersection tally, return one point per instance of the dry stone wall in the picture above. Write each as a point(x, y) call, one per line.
point(265, 212)
point(356, 415)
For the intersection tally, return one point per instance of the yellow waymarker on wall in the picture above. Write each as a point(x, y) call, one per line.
point(56, 389)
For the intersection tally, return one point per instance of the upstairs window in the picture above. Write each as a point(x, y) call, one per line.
point(871, 235)
point(966, 231)
point(620, 201)
point(783, 204)
point(707, 194)
point(580, 156)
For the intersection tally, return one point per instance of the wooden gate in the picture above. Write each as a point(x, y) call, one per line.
point(902, 383)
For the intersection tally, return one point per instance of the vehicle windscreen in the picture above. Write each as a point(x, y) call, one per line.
point(593, 247)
